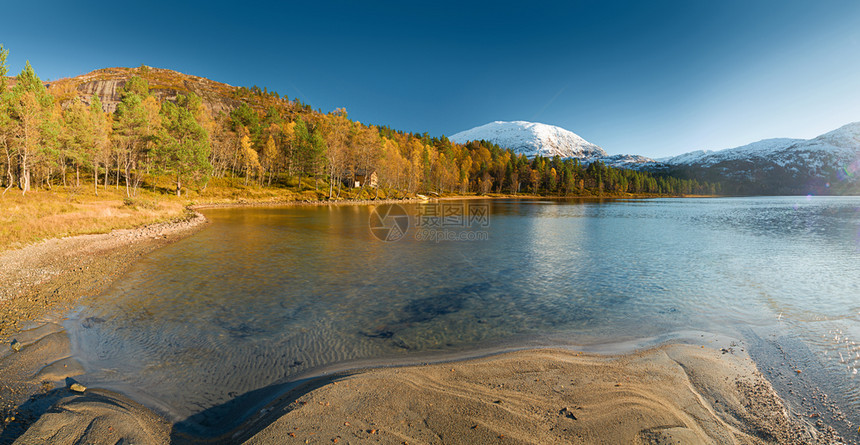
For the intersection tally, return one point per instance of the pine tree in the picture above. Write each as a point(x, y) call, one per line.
point(78, 137)
point(183, 148)
point(5, 120)
point(134, 127)
point(30, 105)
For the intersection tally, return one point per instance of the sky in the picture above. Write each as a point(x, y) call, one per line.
point(655, 78)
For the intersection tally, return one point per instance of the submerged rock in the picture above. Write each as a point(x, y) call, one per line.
point(16, 345)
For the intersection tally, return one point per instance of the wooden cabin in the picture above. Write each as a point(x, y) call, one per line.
point(363, 178)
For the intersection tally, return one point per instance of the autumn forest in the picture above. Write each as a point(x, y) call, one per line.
point(50, 136)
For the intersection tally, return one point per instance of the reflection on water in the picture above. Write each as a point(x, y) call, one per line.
point(263, 296)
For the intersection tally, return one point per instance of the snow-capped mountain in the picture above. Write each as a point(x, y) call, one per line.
point(761, 149)
point(532, 139)
point(777, 165)
point(838, 147)
point(630, 162)
point(770, 166)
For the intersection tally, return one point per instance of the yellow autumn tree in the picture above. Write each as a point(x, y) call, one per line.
point(248, 157)
point(269, 161)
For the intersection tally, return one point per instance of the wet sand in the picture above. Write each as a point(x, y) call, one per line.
point(669, 394)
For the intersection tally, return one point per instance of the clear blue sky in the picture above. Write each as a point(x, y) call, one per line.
point(649, 77)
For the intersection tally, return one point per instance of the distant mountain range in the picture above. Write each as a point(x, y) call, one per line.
point(826, 164)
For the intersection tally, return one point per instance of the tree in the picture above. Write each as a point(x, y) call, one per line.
point(184, 145)
point(78, 137)
point(310, 150)
point(288, 138)
point(30, 105)
point(136, 125)
point(270, 154)
point(249, 159)
point(336, 134)
point(5, 120)
point(100, 122)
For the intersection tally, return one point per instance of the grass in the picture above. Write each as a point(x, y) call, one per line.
point(59, 212)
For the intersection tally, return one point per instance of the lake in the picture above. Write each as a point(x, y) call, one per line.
point(211, 328)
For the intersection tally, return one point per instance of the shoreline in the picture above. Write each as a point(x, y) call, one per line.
point(433, 198)
point(53, 274)
point(61, 271)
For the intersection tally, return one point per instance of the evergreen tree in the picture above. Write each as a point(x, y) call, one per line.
point(184, 145)
point(78, 137)
point(136, 124)
point(100, 123)
point(5, 121)
point(30, 105)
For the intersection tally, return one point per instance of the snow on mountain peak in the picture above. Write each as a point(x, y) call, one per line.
point(844, 136)
point(532, 139)
point(761, 148)
point(842, 144)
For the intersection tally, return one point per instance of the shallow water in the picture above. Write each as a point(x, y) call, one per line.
point(265, 296)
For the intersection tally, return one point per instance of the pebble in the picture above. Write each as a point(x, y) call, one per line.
point(77, 387)
point(16, 345)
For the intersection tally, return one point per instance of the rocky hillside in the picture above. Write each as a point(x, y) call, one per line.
point(164, 84)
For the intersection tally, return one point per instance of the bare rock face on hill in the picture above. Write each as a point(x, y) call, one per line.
point(106, 90)
point(164, 84)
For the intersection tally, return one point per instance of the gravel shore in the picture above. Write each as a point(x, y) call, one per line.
point(50, 276)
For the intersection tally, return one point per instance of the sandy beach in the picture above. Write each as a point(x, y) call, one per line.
point(668, 394)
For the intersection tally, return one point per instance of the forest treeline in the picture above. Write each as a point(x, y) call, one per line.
point(269, 141)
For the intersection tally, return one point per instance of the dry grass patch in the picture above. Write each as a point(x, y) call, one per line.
point(60, 212)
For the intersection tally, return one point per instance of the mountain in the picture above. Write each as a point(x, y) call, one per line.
point(164, 84)
point(827, 164)
point(777, 166)
point(630, 162)
point(532, 139)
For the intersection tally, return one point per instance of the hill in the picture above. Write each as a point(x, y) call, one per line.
point(827, 164)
